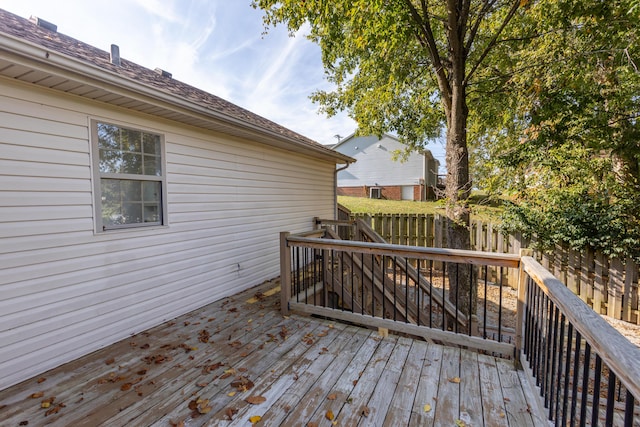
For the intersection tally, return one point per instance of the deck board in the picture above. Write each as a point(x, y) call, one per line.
point(305, 368)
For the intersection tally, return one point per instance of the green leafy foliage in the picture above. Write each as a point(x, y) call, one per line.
point(565, 143)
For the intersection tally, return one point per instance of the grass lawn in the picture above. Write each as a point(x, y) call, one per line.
point(479, 210)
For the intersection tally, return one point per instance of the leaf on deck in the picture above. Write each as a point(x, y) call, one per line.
point(230, 412)
point(37, 395)
point(110, 361)
point(329, 415)
point(427, 408)
point(365, 411)
point(332, 396)
point(255, 400)
point(254, 419)
point(455, 380)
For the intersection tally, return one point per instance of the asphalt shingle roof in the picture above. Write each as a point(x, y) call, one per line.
point(28, 30)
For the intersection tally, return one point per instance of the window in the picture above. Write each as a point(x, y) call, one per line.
point(130, 178)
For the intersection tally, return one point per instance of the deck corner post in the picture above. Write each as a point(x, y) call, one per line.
point(285, 273)
point(522, 277)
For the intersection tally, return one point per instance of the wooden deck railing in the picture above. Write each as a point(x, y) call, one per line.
point(583, 369)
point(587, 372)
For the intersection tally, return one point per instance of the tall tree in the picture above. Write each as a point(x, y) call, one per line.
point(567, 147)
point(406, 66)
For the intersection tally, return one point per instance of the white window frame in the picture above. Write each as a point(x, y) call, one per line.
point(98, 176)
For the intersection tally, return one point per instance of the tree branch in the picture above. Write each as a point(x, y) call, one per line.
point(428, 39)
point(488, 4)
point(492, 42)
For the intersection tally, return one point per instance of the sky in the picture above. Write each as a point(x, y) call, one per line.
point(219, 46)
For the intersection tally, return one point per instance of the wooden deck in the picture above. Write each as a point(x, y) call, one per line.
point(205, 367)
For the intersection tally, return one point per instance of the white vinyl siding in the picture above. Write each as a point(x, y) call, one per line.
point(375, 165)
point(66, 290)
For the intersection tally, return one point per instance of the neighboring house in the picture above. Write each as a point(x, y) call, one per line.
point(377, 175)
point(128, 198)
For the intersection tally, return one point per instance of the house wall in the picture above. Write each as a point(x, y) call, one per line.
point(375, 165)
point(66, 290)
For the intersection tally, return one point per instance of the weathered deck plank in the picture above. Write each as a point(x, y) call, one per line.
point(406, 392)
point(306, 369)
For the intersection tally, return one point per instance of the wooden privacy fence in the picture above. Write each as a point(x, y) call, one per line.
point(608, 285)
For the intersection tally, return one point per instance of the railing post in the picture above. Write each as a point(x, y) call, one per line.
point(285, 273)
point(522, 277)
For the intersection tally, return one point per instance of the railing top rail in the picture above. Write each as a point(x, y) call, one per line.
point(616, 351)
point(436, 254)
point(335, 222)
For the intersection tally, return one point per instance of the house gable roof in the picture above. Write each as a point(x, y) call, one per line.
point(426, 152)
point(31, 53)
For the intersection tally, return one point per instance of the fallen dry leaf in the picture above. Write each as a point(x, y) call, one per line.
point(126, 387)
point(332, 396)
point(230, 412)
point(110, 361)
point(55, 409)
point(329, 415)
point(177, 423)
point(41, 380)
point(455, 380)
point(460, 423)
point(141, 372)
point(231, 393)
point(204, 336)
point(201, 406)
point(254, 419)
point(255, 400)
point(242, 383)
point(312, 424)
point(365, 411)
point(37, 395)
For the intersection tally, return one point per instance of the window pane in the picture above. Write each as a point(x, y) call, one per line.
point(110, 161)
point(152, 165)
point(151, 191)
point(131, 191)
point(131, 163)
point(132, 213)
point(151, 144)
point(151, 213)
point(132, 140)
point(108, 136)
point(111, 202)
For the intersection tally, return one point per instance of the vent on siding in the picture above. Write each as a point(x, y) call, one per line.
point(375, 193)
point(44, 24)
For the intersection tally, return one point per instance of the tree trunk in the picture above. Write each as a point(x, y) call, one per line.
point(462, 284)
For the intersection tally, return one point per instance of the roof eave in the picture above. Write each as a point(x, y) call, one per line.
point(43, 59)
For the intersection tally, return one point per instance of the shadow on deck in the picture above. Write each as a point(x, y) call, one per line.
point(239, 358)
